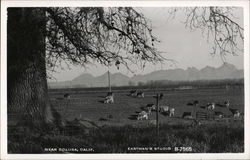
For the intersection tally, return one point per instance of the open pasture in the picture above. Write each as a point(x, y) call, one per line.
point(119, 128)
point(89, 104)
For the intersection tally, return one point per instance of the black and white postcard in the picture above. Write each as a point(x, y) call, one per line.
point(125, 80)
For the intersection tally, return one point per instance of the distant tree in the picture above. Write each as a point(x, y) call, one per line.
point(41, 38)
point(140, 84)
point(131, 83)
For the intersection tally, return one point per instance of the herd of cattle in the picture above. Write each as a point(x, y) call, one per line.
point(170, 111)
point(134, 93)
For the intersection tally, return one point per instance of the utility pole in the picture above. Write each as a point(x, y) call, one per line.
point(109, 81)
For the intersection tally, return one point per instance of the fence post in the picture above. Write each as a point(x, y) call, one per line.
point(157, 117)
point(195, 112)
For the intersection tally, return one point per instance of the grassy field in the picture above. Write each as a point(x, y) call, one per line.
point(210, 138)
point(123, 134)
point(89, 104)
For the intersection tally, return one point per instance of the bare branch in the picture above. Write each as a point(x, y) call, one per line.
point(106, 35)
point(220, 26)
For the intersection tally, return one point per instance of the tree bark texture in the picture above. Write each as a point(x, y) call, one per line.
point(26, 69)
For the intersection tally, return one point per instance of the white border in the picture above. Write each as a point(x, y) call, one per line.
point(3, 108)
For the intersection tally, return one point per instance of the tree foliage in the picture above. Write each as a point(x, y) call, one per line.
point(109, 36)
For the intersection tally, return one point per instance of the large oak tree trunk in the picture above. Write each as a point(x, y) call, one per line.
point(26, 69)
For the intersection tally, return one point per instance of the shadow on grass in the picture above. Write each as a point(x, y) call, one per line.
point(101, 101)
point(133, 117)
point(165, 113)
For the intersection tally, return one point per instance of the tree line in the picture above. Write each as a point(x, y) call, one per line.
point(162, 85)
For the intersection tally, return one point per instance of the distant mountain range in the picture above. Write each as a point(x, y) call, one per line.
point(226, 71)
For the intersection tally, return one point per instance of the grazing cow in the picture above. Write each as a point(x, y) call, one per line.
point(237, 115)
point(218, 114)
point(235, 112)
point(133, 93)
point(242, 116)
point(142, 115)
point(140, 94)
point(194, 103)
point(164, 109)
point(161, 96)
point(149, 110)
point(109, 99)
point(171, 112)
point(227, 104)
point(210, 106)
point(67, 95)
point(151, 106)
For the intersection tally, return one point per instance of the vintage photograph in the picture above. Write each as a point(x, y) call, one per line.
point(125, 79)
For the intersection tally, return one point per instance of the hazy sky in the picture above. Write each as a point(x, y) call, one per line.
point(188, 49)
